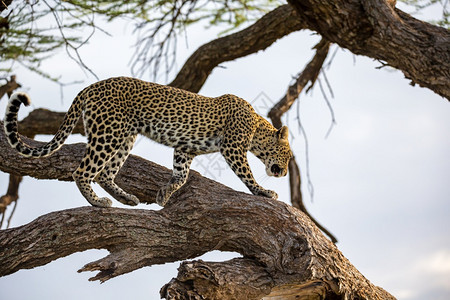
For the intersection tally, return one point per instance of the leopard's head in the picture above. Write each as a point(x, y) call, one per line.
point(278, 153)
point(274, 151)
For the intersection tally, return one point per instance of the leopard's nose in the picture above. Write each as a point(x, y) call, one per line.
point(275, 169)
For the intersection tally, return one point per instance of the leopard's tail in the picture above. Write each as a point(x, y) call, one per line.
point(12, 134)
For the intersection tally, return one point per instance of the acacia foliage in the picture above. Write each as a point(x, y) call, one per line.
point(32, 31)
point(35, 30)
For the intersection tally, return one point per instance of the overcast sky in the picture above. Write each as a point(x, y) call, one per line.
point(380, 178)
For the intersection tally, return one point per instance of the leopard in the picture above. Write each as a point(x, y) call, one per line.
point(116, 110)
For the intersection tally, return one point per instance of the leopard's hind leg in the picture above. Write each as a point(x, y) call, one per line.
point(101, 148)
point(106, 177)
point(91, 164)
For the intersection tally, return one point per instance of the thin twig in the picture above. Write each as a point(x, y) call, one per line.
point(330, 108)
point(11, 215)
point(69, 45)
point(3, 218)
point(307, 163)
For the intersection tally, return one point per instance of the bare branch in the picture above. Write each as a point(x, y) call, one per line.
point(376, 29)
point(297, 199)
point(12, 193)
point(4, 4)
point(11, 196)
point(308, 75)
point(259, 36)
point(69, 45)
point(9, 87)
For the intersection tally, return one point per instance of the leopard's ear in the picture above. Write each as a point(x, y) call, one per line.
point(283, 134)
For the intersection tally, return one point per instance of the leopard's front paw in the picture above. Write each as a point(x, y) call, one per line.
point(132, 200)
point(268, 194)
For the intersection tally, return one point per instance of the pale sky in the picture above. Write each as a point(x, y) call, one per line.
point(380, 178)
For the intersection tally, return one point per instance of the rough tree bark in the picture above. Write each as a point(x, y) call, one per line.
point(287, 256)
point(286, 250)
point(377, 29)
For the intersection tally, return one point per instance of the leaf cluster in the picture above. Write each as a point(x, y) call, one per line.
point(38, 29)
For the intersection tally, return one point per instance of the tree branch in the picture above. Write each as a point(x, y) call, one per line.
point(44, 121)
point(138, 238)
point(239, 278)
point(11, 196)
point(308, 75)
point(376, 29)
point(203, 216)
point(12, 193)
point(271, 27)
point(9, 86)
point(39, 121)
point(4, 4)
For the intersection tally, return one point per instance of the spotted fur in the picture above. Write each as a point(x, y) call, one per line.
point(117, 109)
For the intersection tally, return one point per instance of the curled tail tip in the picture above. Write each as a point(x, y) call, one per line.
point(22, 97)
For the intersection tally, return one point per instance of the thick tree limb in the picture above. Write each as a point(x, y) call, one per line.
point(287, 248)
point(239, 278)
point(271, 27)
point(376, 29)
